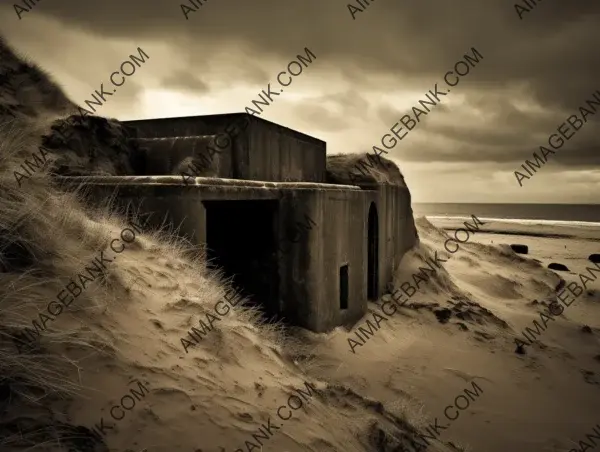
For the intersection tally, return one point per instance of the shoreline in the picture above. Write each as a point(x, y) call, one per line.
point(525, 221)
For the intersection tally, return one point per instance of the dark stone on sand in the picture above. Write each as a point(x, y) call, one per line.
point(586, 329)
point(520, 249)
point(558, 267)
point(443, 315)
point(595, 258)
point(465, 315)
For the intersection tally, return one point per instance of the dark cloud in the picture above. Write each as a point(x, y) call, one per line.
point(551, 49)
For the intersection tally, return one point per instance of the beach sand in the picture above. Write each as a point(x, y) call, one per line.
point(545, 400)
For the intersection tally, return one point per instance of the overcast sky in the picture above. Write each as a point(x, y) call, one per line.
point(369, 71)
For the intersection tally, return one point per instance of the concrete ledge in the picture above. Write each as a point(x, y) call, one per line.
point(202, 182)
point(183, 138)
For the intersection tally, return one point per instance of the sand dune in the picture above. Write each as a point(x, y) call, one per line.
point(416, 363)
point(110, 372)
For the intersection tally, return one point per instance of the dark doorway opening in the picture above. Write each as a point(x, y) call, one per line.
point(373, 253)
point(344, 287)
point(241, 241)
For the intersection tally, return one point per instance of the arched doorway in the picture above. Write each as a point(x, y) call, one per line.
point(373, 253)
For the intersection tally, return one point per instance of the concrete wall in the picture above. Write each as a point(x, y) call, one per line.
point(397, 232)
point(175, 204)
point(341, 237)
point(313, 272)
point(276, 155)
point(175, 155)
point(261, 150)
point(309, 258)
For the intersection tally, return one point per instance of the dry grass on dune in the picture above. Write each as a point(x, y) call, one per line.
point(81, 144)
point(92, 145)
point(47, 238)
point(377, 170)
point(28, 90)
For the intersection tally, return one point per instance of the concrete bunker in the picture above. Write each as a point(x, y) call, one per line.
point(300, 235)
point(241, 241)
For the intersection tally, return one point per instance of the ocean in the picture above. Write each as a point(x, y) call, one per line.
point(548, 212)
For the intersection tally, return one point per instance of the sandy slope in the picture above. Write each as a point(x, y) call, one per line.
point(545, 400)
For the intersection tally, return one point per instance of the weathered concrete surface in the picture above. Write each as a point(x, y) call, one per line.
point(312, 272)
point(341, 238)
point(260, 149)
point(397, 230)
point(184, 154)
point(208, 181)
